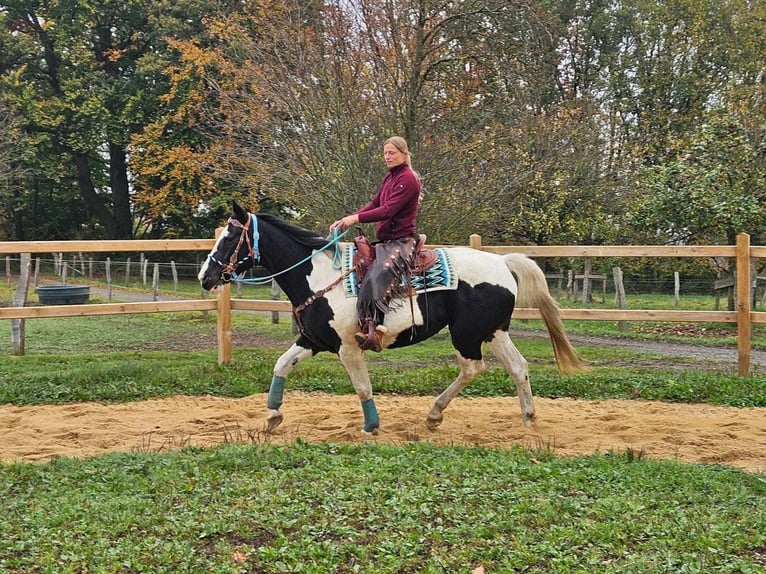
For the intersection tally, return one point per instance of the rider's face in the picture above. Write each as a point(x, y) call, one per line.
point(393, 156)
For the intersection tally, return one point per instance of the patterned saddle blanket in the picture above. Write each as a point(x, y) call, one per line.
point(440, 276)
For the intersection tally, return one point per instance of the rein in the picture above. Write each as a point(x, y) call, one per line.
point(230, 275)
point(253, 251)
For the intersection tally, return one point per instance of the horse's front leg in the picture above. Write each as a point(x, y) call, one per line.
point(353, 359)
point(282, 368)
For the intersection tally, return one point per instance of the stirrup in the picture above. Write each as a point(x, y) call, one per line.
point(369, 339)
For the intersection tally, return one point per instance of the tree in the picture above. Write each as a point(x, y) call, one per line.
point(713, 192)
point(317, 90)
point(73, 87)
point(12, 173)
point(85, 77)
point(528, 122)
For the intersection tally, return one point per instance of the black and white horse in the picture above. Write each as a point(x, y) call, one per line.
point(477, 310)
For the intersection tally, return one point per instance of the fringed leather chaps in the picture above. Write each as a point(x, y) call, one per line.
point(382, 283)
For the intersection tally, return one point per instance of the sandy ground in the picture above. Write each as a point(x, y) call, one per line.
point(568, 427)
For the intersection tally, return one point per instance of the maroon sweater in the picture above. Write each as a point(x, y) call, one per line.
point(395, 206)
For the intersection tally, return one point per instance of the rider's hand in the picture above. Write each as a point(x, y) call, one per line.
point(344, 223)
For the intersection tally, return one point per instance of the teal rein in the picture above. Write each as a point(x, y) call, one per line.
point(336, 258)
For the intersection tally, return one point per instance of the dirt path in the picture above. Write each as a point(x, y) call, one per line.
point(568, 427)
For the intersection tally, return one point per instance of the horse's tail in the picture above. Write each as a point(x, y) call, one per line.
point(533, 292)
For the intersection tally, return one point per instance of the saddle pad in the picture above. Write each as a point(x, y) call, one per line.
point(439, 277)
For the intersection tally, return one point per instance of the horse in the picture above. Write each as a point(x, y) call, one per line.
point(477, 310)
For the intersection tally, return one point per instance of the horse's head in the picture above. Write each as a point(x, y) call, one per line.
point(235, 250)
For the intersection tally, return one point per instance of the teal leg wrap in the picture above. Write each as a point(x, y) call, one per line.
point(371, 419)
point(276, 391)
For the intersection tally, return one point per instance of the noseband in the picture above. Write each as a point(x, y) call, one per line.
point(253, 253)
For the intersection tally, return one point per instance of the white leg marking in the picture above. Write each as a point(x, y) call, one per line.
point(352, 358)
point(469, 370)
point(287, 361)
point(282, 368)
point(517, 367)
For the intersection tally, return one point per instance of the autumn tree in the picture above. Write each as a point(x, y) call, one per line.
point(85, 77)
point(319, 87)
point(178, 172)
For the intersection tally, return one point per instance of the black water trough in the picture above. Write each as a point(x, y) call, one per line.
point(63, 294)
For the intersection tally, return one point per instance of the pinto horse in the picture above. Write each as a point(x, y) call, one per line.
point(477, 310)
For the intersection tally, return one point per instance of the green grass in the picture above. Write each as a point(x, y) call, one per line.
point(364, 508)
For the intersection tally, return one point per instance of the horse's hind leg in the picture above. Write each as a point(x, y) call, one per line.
point(282, 368)
point(516, 366)
point(469, 370)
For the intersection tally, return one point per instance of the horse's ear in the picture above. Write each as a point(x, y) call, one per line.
point(238, 212)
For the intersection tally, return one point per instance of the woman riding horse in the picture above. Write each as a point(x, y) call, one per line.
point(395, 208)
point(475, 305)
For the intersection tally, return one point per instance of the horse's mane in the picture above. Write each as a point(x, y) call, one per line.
point(302, 236)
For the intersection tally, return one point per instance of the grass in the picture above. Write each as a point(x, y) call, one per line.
point(363, 508)
point(360, 508)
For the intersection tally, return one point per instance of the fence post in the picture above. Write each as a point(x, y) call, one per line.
point(144, 266)
point(18, 331)
point(223, 319)
point(621, 301)
point(276, 293)
point(223, 316)
point(109, 278)
point(155, 282)
point(744, 327)
point(586, 291)
point(475, 241)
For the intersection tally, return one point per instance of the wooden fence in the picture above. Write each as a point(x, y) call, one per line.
point(224, 304)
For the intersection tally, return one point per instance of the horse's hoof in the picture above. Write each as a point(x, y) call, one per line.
point(273, 421)
point(433, 421)
point(528, 420)
point(373, 432)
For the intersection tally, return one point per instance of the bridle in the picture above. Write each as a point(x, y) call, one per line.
point(229, 274)
point(253, 252)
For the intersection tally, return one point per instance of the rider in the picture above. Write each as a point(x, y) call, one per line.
point(394, 208)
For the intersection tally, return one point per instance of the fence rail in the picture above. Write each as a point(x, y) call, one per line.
point(743, 316)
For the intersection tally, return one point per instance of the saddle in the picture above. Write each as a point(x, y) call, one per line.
point(365, 255)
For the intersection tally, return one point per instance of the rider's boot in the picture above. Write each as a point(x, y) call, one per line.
point(368, 338)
